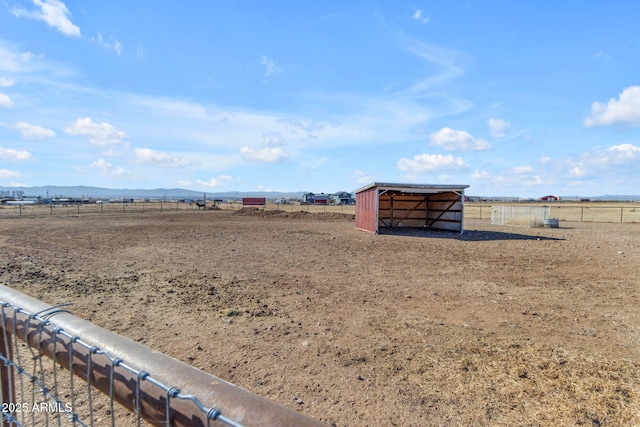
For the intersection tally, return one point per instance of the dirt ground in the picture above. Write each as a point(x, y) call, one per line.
point(499, 326)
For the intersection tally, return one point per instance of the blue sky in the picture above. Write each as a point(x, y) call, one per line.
point(512, 98)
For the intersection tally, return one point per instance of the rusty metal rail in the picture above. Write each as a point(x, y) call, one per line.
point(156, 388)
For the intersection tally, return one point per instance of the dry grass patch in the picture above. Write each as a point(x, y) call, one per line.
point(532, 385)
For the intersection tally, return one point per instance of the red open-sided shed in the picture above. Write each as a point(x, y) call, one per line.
point(386, 205)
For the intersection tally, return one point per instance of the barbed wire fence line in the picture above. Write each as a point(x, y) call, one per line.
point(600, 212)
point(92, 209)
point(59, 369)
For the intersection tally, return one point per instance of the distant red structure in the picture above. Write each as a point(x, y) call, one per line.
point(254, 201)
point(321, 200)
point(549, 199)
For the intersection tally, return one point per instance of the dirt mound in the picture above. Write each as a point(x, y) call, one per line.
point(321, 216)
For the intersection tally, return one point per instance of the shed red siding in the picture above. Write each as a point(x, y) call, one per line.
point(388, 206)
point(367, 210)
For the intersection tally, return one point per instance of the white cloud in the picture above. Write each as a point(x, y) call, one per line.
point(418, 15)
point(517, 178)
point(112, 153)
point(308, 127)
point(374, 119)
point(578, 170)
point(498, 127)
point(172, 108)
point(520, 170)
point(107, 169)
point(264, 154)
point(617, 156)
point(422, 163)
point(269, 66)
point(616, 160)
point(314, 164)
point(117, 47)
point(544, 160)
point(147, 155)
point(111, 44)
point(34, 131)
point(362, 177)
point(4, 173)
point(54, 13)
point(272, 139)
point(99, 134)
point(14, 155)
point(5, 101)
point(457, 140)
point(624, 110)
point(6, 82)
point(625, 151)
point(535, 180)
point(215, 182)
point(269, 152)
point(480, 174)
point(447, 66)
point(601, 55)
point(13, 61)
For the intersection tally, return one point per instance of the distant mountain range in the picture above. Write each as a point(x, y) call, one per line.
point(605, 198)
point(159, 193)
point(180, 193)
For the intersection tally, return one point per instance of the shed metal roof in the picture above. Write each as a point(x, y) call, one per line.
point(413, 188)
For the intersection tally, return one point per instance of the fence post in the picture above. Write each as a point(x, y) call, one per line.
point(7, 390)
point(621, 211)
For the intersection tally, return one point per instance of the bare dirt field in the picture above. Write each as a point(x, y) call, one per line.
point(499, 326)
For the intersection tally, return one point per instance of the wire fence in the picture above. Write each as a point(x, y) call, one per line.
point(594, 212)
point(523, 216)
point(59, 368)
point(67, 209)
point(629, 213)
point(62, 210)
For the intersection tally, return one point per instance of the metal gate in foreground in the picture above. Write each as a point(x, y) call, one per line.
point(58, 369)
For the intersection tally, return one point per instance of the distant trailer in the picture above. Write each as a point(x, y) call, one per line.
point(321, 200)
point(20, 202)
point(254, 201)
point(394, 206)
